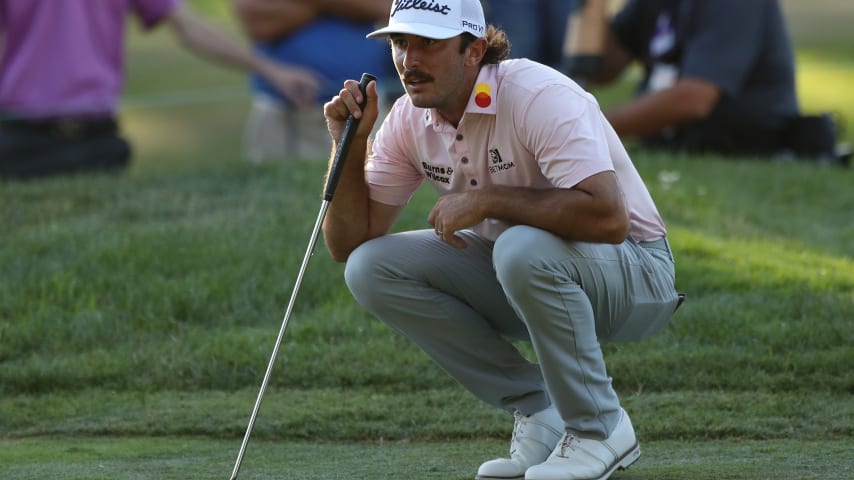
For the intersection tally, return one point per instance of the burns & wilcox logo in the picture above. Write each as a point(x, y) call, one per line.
point(436, 173)
point(428, 5)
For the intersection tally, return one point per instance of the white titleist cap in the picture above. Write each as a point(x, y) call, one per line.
point(438, 19)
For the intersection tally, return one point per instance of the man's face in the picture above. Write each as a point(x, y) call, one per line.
point(433, 72)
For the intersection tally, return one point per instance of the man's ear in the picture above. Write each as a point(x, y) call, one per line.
point(475, 51)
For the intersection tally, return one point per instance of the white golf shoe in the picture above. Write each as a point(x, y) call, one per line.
point(534, 438)
point(577, 458)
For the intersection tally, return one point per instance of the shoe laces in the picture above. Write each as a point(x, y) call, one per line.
point(568, 442)
point(519, 422)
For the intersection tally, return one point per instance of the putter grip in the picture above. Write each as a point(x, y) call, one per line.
point(350, 127)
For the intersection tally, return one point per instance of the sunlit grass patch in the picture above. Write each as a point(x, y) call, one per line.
point(761, 264)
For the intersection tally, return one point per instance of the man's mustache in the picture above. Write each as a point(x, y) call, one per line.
point(416, 76)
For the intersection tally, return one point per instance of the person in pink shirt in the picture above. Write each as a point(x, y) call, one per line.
point(543, 231)
point(61, 76)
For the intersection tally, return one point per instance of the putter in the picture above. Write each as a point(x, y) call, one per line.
point(350, 126)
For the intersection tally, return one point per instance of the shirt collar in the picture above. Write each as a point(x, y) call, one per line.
point(482, 100)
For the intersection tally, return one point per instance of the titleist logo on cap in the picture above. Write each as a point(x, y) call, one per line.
point(430, 6)
point(437, 19)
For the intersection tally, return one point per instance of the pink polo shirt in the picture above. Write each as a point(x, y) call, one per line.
point(65, 58)
point(526, 125)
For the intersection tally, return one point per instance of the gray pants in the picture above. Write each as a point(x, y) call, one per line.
point(463, 307)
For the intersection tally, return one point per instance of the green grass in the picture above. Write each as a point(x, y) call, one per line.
point(186, 457)
point(138, 313)
point(146, 305)
point(152, 282)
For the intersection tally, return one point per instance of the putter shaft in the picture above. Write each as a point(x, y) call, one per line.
point(341, 152)
point(308, 254)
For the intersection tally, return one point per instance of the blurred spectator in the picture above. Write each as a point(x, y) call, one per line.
point(536, 27)
point(61, 75)
point(328, 38)
point(719, 76)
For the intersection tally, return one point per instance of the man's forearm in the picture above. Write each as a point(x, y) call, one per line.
point(347, 222)
point(687, 101)
point(205, 39)
point(569, 213)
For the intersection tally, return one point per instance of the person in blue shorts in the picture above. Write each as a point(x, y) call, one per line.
point(326, 37)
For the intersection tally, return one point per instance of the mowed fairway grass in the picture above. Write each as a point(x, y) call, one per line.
point(138, 313)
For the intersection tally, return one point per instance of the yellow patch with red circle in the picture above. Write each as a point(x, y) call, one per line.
point(482, 95)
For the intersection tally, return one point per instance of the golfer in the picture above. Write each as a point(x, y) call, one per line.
point(543, 231)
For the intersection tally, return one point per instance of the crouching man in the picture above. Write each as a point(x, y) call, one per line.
point(543, 231)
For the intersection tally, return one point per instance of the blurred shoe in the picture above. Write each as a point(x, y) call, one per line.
point(577, 458)
point(534, 438)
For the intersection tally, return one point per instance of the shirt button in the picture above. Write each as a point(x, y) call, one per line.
point(473, 182)
point(459, 137)
point(465, 159)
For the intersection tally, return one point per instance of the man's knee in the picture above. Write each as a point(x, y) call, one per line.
point(515, 256)
point(362, 271)
point(524, 256)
